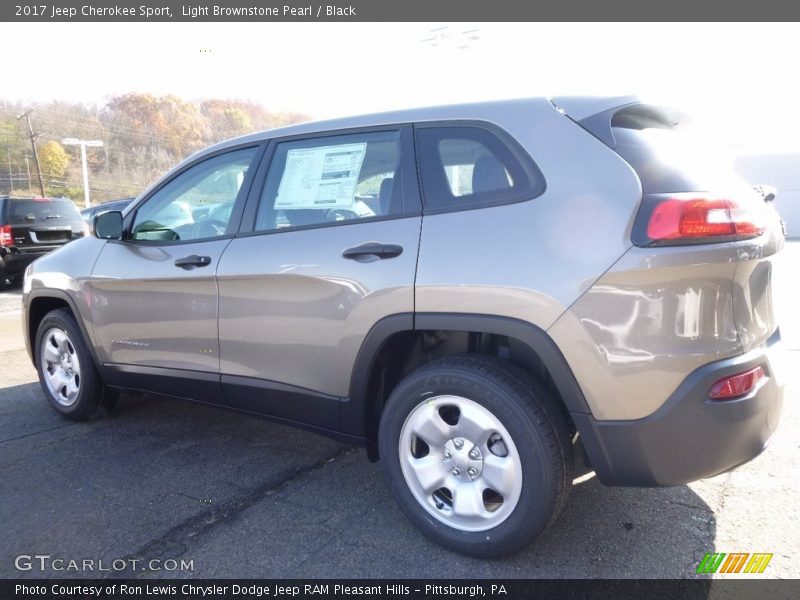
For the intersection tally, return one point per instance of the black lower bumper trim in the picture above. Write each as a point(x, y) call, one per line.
point(690, 437)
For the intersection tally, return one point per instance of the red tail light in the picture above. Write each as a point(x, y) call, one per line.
point(6, 236)
point(696, 218)
point(737, 385)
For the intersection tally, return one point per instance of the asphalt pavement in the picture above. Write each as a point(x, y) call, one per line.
point(233, 496)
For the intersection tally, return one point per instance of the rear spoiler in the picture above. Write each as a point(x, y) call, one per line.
point(599, 115)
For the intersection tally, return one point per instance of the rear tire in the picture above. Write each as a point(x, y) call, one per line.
point(477, 454)
point(67, 373)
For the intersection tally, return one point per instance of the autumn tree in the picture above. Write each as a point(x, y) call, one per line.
point(54, 160)
point(166, 122)
point(143, 135)
point(226, 118)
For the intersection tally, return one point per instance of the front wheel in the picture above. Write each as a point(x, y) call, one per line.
point(67, 373)
point(477, 454)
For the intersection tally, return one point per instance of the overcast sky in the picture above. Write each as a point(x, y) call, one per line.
point(741, 81)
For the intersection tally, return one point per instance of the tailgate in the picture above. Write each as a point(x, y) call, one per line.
point(37, 224)
point(755, 309)
point(668, 162)
point(42, 236)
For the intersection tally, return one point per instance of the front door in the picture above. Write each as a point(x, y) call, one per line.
point(154, 296)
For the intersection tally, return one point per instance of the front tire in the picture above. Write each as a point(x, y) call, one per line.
point(477, 454)
point(67, 373)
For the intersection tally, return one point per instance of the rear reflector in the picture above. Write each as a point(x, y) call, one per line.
point(737, 385)
point(698, 218)
point(6, 236)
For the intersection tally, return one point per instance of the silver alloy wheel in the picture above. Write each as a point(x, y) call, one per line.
point(460, 463)
point(61, 368)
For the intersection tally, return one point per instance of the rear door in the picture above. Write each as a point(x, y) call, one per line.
point(154, 293)
point(332, 250)
point(41, 224)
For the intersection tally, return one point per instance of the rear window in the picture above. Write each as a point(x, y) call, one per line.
point(671, 159)
point(469, 167)
point(59, 211)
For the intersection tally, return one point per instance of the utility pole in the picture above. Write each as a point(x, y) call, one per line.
point(27, 116)
point(10, 176)
point(28, 167)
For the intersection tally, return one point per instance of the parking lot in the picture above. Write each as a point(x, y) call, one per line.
point(243, 497)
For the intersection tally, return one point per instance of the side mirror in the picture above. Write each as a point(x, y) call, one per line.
point(108, 225)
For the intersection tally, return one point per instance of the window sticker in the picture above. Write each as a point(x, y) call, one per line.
point(320, 177)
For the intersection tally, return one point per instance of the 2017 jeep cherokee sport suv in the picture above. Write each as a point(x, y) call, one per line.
point(469, 291)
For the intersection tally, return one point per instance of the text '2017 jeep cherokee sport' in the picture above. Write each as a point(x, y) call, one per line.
point(466, 290)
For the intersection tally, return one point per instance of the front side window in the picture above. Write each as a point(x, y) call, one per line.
point(332, 179)
point(197, 203)
point(465, 166)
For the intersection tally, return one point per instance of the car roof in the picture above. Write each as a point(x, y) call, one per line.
point(476, 111)
point(488, 111)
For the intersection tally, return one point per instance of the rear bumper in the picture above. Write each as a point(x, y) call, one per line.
point(14, 262)
point(690, 437)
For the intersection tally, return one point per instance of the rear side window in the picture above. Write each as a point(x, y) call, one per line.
point(58, 211)
point(469, 167)
point(333, 179)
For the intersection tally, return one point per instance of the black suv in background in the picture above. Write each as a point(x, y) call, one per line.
point(32, 227)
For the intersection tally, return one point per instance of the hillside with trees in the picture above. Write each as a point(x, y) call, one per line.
point(143, 136)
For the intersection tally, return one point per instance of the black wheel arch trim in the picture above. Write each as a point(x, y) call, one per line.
point(30, 336)
point(352, 417)
point(352, 412)
point(534, 337)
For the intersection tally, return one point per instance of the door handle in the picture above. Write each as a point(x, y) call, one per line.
point(191, 261)
point(372, 251)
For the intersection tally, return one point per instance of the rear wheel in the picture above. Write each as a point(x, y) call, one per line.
point(477, 454)
point(67, 372)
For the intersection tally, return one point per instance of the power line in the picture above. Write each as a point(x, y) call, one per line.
point(27, 116)
point(122, 130)
point(131, 134)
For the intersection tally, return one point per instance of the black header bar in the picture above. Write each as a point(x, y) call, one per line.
point(396, 10)
point(401, 589)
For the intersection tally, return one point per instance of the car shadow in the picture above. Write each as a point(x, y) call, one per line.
point(614, 532)
point(161, 476)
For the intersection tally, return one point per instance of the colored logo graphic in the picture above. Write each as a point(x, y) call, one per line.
point(736, 562)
